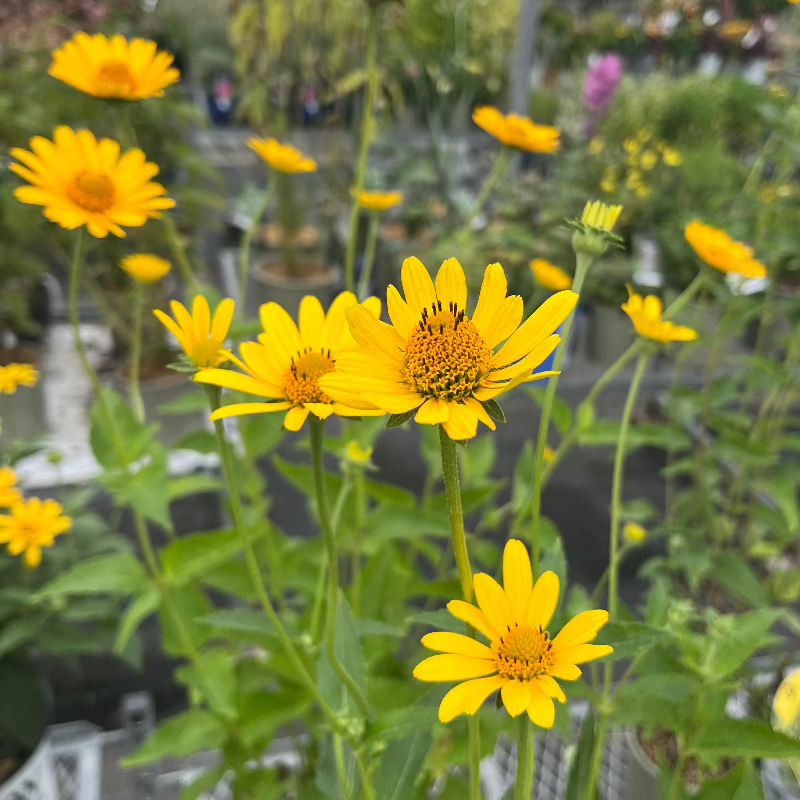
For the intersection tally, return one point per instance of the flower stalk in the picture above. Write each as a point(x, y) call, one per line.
point(179, 254)
point(136, 352)
point(369, 259)
point(247, 240)
point(498, 168)
point(526, 760)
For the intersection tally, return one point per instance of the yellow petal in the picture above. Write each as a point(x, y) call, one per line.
point(564, 672)
point(506, 320)
point(451, 285)
point(417, 285)
point(334, 330)
point(320, 410)
point(184, 319)
point(453, 668)
point(228, 379)
point(280, 328)
point(432, 412)
point(242, 409)
point(530, 362)
point(201, 314)
point(552, 688)
point(517, 579)
point(493, 292)
point(173, 328)
point(493, 602)
point(468, 697)
point(396, 403)
point(580, 653)
point(543, 601)
point(480, 413)
point(399, 313)
point(516, 697)
point(456, 643)
point(223, 317)
point(462, 422)
point(374, 335)
point(295, 417)
point(541, 710)
point(580, 629)
point(473, 616)
point(312, 318)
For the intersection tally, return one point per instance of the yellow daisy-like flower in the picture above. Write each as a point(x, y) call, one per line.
point(596, 145)
point(82, 181)
point(609, 182)
point(15, 375)
point(601, 216)
point(282, 157)
point(649, 159)
point(436, 358)
point(721, 252)
point(786, 704)
point(379, 201)
point(202, 339)
point(286, 365)
point(356, 454)
point(114, 67)
point(521, 660)
point(633, 533)
point(645, 314)
point(672, 158)
point(32, 525)
point(145, 268)
point(550, 276)
point(631, 146)
point(9, 493)
point(517, 131)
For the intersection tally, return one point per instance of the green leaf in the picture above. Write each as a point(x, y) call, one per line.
point(213, 679)
point(189, 401)
point(18, 632)
point(141, 608)
point(405, 722)
point(401, 765)
point(749, 633)
point(783, 492)
point(262, 713)
point(121, 438)
point(22, 699)
point(665, 699)
point(396, 420)
point(204, 783)
point(440, 620)
point(191, 556)
point(604, 433)
point(118, 573)
point(560, 415)
point(732, 573)
point(579, 774)
point(188, 485)
point(253, 624)
point(189, 603)
point(630, 638)
point(744, 738)
point(180, 736)
point(492, 408)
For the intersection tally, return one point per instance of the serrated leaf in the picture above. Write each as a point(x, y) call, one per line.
point(141, 608)
point(630, 638)
point(749, 633)
point(191, 556)
point(493, 409)
point(401, 765)
point(187, 485)
point(396, 420)
point(119, 573)
point(744, 738)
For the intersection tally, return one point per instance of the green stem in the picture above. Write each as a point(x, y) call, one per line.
point(179, 253)
point(452, 491)
point(247, 240)
point(329, 535)
point(255, 572)
point(358, 531)
point(496, 172)
point(369, 258)
point(582, 267)
point(136, 352)
point(677, 776)
point(526, 760)
point(367, 125)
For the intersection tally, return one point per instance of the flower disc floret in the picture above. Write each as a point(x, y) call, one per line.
point(302, 379)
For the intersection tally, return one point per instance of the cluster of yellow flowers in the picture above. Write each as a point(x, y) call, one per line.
point(13, 376)
point(30, 524)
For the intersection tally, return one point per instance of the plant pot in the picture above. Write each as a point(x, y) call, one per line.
point(270, 283)
point(611, 333)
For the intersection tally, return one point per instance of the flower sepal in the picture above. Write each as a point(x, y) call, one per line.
point(396, 420)
point(592, 241)
point(493, 409)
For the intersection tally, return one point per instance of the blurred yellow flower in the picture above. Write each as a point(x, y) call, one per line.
point(766, 194)
point(786, 705)
point(114, 67)
point(549, 454)
point(645, 314)
point(634, 180)
point(437, 359)
point(550, 276)
point(517, 131)
point(642, 191)
point(32, 525)
point(521, 661)
point(609, 182)
point(200, 338)
point(672, 158)
point(15, 375)
point(633, 533)
point(649, 159)
point(596, 145)
point(631, 146)
point(379, 201)
point(82, 181)
point(286, 364)
point(600, 215)
point(356, 454)
point(9, 493)
point(282, 157)
point(145, 268)
point(721, 252)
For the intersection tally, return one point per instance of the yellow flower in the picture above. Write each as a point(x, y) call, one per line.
point(786, 705)
point(517, 131)
point(286, 364)
point(649, 159)
point(609, 182)
point(631, 146)
point(721, 252)
point(549, 454)
point(601, 216)
point(82, 181)
point(550, 276)
point(282, 157)
point(633, 533)
point(145, 268)
point(356, 454)
point(9, 493)
point(16, 375)
point(634, 180)
point(645, 314)
point(32, 525)
point(114, 67)
point(672, 158)
point(201, 339)
point(596, 145)
point(642, 191)
point(521, 660)
point(379, 201)
point(435, 358)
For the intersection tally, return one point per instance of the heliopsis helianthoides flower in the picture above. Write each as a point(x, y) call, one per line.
point(379, 201)
point(722, 252)
point(114, 67)
point(32, 525)
point(145, 268)
point(517, 131)
point(9, 493)
point(645, 314)
point(200, 338)
point(286, 364)
point(13, 376)
point(550, 276)
point(282, 157)
point(82, 181)
point(520, 660)
point(435, 358)
point(593, 231)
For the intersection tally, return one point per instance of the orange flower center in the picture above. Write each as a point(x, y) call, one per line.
point(524, 653)
point(302, 377)
point(446, 357)
point(91, 190)
point(206, 353)
point(114, 78)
